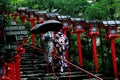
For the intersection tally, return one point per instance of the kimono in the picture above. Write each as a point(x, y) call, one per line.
point(49, 45)
point(62, 44)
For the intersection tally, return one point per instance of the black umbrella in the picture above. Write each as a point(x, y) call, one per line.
point(50, 25)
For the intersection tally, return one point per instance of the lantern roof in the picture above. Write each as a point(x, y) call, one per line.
point(52, 14)
point(41, 12)
point(63, 17)
point(22, 8)
point(113, 23)
point(93, 21)
point(31, 10)
point(76, 19)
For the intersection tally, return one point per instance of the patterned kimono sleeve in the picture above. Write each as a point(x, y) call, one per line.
point(56, 41)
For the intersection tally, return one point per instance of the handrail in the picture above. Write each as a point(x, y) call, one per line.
point(89, 74)
point(78, 68)
point(33, 47)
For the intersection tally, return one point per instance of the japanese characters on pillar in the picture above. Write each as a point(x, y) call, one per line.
point(112, 34)
point(41, 16)
point(22, 12)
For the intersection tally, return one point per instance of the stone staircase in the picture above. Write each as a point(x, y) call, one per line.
point(35, 68)
point(31, 67)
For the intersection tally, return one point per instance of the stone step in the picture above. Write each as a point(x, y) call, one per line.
point(34, 71)
point(34, 78)
point(32, 68)
point(29, 62)
point(24, 78)
point(62, 77)
point(72, 76)
point(29, 75)
point(90, 79)
point(60, 74)
point(31, 65)
point(32, 57)
point(28, 68)
point(109, 78)
point(32, 60)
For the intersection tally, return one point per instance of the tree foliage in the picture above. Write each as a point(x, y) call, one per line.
point(100, 9)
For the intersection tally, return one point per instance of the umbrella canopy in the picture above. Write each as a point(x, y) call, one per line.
point(50, 25)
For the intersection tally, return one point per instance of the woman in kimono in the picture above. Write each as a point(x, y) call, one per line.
point(62, 44)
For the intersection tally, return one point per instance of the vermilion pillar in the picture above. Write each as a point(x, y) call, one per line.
point(5, 77)
point(25, 39)
point(11, 70)
point(17, 58)
point(113, 33)
point(15, 16)
point(8, 14)
point(17, 66)
point(95, 53)
point(114, 57)
point(78, 29)
point(67, 54)
point(93, 32)
point(23, 20)
point(32, 25)
point(79, 49)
